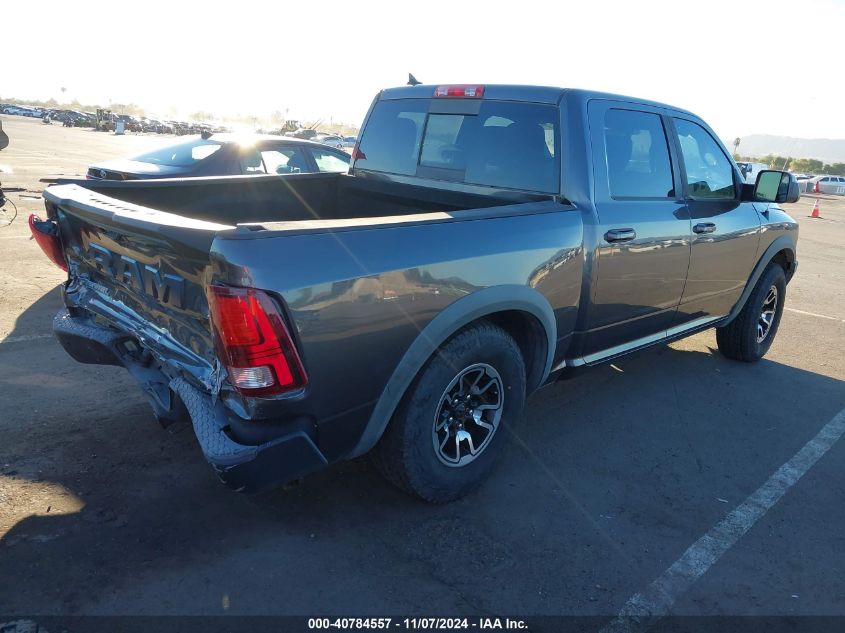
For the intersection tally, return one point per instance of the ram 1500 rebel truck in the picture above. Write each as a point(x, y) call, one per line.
point(485, 239)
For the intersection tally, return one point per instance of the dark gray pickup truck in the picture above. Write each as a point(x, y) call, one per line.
point(485, 239)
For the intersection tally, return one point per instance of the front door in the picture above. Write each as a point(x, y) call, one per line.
point(643, 229)
point(726, 231)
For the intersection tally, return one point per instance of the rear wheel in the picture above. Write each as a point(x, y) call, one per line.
point(452, 425)
point(750, 335)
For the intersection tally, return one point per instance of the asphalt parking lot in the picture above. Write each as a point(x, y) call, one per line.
point(613, 476)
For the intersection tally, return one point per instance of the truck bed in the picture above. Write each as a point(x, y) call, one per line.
point(232, 200)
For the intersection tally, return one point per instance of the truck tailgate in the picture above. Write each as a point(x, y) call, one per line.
point(140, 271)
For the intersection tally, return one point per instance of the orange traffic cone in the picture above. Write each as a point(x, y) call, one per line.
point(816, 213)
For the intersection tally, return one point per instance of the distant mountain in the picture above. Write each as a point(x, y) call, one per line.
point(825, 149)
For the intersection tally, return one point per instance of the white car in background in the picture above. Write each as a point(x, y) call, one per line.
point(828, 184)
point(331, 140)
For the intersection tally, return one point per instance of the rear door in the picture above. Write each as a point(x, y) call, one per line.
point(644, 231)
point(726, 231)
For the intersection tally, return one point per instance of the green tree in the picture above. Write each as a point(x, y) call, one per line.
point(807, 165)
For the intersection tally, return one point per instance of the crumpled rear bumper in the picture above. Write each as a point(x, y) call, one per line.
point(242, 467)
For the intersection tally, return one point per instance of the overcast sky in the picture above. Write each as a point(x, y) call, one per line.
point(746, 66)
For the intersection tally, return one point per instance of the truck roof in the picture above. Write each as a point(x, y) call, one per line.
point(515, 92)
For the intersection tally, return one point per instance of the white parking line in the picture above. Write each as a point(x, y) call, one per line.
point(644, 609)
point(813, 314)
point(24, 337)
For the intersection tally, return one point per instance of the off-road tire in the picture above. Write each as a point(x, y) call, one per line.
point(738, 339)
point(406, 455)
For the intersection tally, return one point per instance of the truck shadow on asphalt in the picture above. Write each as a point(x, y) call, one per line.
point(616, 459)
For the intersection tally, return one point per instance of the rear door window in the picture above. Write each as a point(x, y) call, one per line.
point(328, 161)
point(509, 145)
point(286, 160)
point(638, 164)
point(250, 161)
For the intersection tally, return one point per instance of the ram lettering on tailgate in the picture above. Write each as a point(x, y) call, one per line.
point(166, 288)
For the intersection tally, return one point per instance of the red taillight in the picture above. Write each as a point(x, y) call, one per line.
point(47, 235)
point(460, 90)
point(357, 153)
point(816, 188)
point(253, 342)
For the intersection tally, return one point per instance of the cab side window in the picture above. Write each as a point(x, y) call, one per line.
point(336, 162)
point(638, 163)
point(285, 161)
point(709, 172)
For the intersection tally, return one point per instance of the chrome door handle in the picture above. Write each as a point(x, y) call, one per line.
point(620, 235)
point(704, 227)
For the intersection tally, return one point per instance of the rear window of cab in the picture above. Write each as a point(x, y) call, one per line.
point(507, 144)
point(182, 154)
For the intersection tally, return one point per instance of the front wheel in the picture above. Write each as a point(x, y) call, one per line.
point(452, 425)
point(750, 335)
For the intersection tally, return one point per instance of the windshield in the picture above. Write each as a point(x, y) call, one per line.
point(507, 144)
point(182, 154)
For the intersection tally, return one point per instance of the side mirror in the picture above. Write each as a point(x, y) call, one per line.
point(776, 186)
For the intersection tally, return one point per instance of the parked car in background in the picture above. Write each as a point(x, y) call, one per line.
point(305, 133)
point(65, 117)
point(828, 184)
point(149, 125)
point(225, 155)
point(803, 181)
point(130, 122)
point(163, 127)
point(349, 141)
point(331, 140)
point(86, 119)
point(19, 110)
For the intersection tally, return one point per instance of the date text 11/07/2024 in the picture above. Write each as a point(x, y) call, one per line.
point(430, 624)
